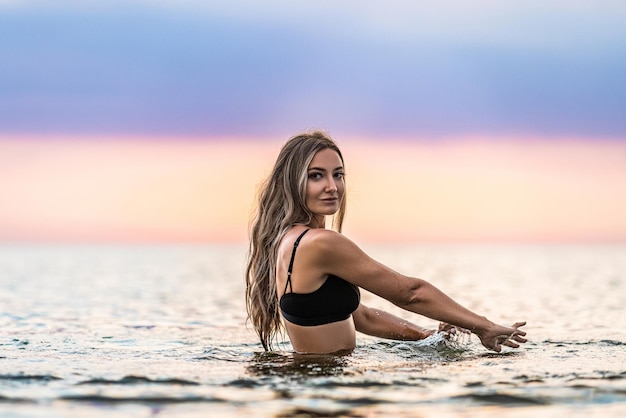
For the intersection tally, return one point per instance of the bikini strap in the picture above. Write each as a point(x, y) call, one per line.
point(293, 255)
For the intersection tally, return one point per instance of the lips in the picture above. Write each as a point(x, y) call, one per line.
point(330, 200)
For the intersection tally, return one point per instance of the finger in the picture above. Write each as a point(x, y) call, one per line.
point(510, 343)
point(518, 324)
point(516, 333)
point(444, 326)
point(519, 339)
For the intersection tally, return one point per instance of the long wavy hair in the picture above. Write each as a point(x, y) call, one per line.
point(280, 205)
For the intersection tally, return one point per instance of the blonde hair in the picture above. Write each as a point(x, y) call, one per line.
point(281, 204)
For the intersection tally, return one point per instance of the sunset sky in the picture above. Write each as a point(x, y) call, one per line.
point(156, 120)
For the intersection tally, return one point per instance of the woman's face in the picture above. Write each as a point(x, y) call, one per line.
point(324, 186)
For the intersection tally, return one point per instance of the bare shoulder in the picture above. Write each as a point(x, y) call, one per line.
point(290, 238)
point(320, 235)
point(340, 255)
point(326, 242)
point(324, 249)
point(329, 252)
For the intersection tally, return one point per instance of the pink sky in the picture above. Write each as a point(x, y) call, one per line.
point(178, 190)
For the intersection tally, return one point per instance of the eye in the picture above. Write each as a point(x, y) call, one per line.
point(339, 174)
point(315, 175)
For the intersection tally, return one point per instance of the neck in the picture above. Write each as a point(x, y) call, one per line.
point(318, 222)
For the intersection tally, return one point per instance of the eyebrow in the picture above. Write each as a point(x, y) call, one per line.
point(323, 169)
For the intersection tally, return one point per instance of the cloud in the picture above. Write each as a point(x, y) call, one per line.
point(407, 69)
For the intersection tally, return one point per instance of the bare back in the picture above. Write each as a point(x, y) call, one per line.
point(307, 277)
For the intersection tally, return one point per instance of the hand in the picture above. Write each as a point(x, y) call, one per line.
point(450, 329)
point(496, 336)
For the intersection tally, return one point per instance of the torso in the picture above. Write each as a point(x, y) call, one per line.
point(308, 282)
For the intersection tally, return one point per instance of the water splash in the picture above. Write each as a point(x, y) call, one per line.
point(436, 347)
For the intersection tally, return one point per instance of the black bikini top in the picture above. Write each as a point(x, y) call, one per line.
point(334, 301)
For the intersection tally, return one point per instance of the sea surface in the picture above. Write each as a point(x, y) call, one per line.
point(141, 331)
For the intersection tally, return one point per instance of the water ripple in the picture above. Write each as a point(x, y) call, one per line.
point(501, 399)
point(140, 399)
point(133, 380)
point(28, 378)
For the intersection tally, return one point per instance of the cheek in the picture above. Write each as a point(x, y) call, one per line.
point(310, 190)
point(341, 186)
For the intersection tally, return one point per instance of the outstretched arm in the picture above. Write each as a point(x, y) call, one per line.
point(342, 257)
point(427, 300)
point(381, 324)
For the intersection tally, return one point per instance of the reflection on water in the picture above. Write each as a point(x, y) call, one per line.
point(297, 366)
point(143, 331)
point(303, 367)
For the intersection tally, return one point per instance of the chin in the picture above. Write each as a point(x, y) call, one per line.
point(324, 212)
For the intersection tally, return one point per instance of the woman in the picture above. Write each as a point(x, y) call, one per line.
point(311, 275)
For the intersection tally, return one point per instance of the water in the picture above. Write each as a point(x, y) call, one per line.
point(159, 330)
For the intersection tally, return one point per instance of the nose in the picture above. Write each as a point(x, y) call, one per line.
point(331, 185)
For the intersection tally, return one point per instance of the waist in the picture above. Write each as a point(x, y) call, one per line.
point(336, 337)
